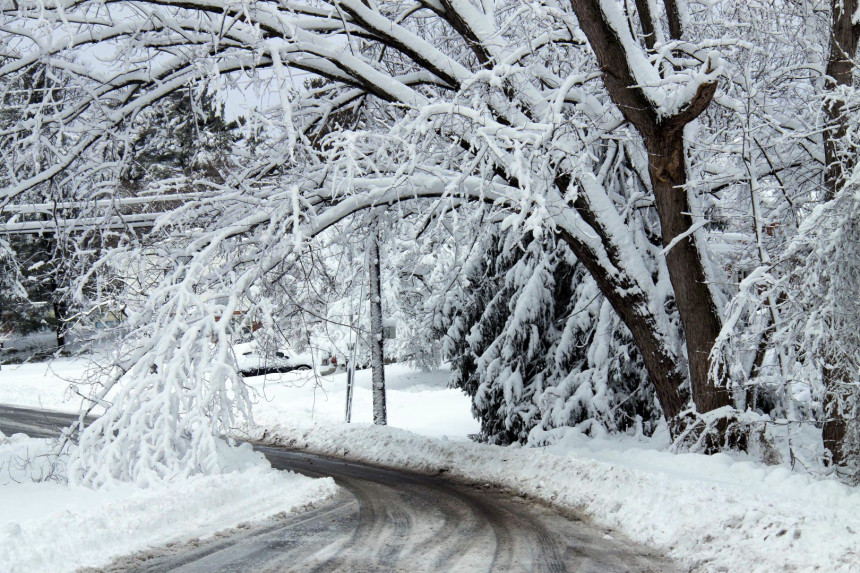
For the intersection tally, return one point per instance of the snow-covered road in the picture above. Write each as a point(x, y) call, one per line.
point(388, 520)
point(34, 423)
point(727, 512)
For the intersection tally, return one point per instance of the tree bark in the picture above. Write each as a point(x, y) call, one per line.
point(60, 314)
point(646, 20)
point(673, 13)
point(662, 366)
point(844, 36)
point(696, 306)
point(839, 163)
point(664, 141)
point(377, 362)
point(835, 428)
point(632, 306)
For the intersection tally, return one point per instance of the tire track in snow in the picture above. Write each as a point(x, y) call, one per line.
point(388, 520)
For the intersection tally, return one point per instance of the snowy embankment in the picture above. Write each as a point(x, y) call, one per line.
point(711, 513)
point(50, 526)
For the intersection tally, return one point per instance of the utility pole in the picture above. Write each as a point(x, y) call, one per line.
point(350, 380)
point(377, 362)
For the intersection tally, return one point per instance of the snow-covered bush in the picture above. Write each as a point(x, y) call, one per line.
point(813, 347)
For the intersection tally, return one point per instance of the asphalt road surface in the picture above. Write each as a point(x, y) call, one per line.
point(388, 520)
point(35, 423)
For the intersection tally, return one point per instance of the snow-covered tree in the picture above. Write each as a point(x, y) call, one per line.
point(791, 331)
point(615, 127)
point(535, 344)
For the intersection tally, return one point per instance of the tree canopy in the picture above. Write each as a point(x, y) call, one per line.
point(665, 159)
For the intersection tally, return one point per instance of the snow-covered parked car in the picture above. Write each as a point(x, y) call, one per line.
point(253, 361)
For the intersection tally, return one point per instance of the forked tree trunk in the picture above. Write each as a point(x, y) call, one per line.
point(377, 361)
point(663, 137)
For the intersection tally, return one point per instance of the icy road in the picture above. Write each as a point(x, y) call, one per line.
point(387, 520)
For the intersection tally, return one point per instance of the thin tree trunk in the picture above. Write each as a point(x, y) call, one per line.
point(673, 14)
point(645, 18)
point(59, 313)
point(844, 36)
point(835, 428)
point(377, 361)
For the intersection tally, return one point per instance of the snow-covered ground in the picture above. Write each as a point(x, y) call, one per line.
point(712, 513)
point(417, 401)
point(45, 385)
point(420, 402)
point(50, 526)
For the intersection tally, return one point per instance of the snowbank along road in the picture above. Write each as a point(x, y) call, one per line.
point(389, 520)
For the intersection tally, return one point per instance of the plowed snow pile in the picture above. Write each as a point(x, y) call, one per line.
point(711, 513)
point(49, 526)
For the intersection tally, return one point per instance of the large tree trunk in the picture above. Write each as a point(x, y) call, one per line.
point(377, 362)
point(663, 136)
point(632, 307)
point(696, 307)
point(839, 163)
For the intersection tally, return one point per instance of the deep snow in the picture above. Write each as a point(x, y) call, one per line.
point(420, 402)
point(711, 513)
point(50, 526)
point(417, 401)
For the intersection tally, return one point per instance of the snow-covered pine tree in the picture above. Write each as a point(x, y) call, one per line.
point(184, 135)
point(535, 345)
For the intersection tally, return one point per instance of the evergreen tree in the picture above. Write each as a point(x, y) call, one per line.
point(184, 136)
point(535, 345)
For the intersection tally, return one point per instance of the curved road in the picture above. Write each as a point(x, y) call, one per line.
point(389, 520)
